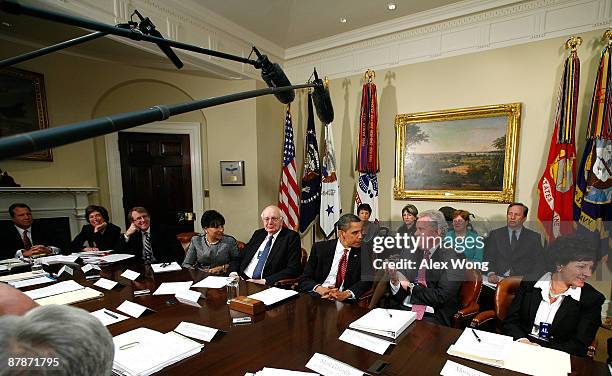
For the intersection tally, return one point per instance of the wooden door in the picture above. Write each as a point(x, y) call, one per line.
point(156, 174)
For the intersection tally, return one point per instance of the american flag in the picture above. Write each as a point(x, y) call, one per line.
point(288, 192)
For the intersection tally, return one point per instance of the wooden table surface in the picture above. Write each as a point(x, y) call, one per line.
point(285, 336)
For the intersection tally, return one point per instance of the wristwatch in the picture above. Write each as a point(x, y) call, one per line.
point(410, 286)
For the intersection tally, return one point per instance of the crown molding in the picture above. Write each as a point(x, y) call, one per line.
point(519, 23)
point(443, 13)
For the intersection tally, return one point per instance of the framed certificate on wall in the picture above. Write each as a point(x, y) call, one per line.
point(232, 172)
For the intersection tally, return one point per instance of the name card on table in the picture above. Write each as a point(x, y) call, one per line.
point(196, 331)
point(328, 366)
point(213, 282)
point(130, 274)
point(108, 317)
point(89, 267)
point(132, 309)
point(65, 269)
point(455, 369)
point(188, 297)
point(365, 341)
point(105, 283)
point(171, 288)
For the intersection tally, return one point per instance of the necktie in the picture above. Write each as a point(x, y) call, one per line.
point(513, 241)
point(342, 269)
point(147, 251)
point(27, 244)
point(421, 280)
point(262, 259)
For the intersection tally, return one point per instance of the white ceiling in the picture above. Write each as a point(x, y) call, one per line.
point(289, 23)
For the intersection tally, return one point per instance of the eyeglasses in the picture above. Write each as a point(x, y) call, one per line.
point(271, 219)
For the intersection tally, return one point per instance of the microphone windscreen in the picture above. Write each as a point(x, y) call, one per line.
point(322, 102)
point(274, 76)
point(167, 50)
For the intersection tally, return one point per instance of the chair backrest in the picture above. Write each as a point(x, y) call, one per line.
point(304, 258)
point(241, 245)
point(470, 287)
point(504, 294)
point(185, 238)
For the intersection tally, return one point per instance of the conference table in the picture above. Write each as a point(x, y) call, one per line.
point(285, 336)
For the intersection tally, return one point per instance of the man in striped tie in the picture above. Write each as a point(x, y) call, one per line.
point(272, 254)
point(336, 269)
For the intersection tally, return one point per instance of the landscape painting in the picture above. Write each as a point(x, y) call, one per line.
point(458, 155)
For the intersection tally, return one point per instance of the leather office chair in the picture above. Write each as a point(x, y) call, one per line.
point(185, 238)
point(504, 294)
point(291, 283)
point(470, 292)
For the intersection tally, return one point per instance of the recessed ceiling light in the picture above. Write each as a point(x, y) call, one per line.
point(342, 20)
point(391, 6)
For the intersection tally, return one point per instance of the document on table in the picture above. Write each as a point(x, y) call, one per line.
point(130, 274)
point(171, 288)
point(108, 317)
point(105, 283)
point(328, 366)
point(165, 267)
point(365, 341)
point(116, 257)
point(491, 349)
point(20, 276)
point(201, 332)
point(213, 282)
point(273, 295)
point(384, 322)
point(132, 309)
point(70, 297)
point(31, 282)
point(89, 267)
point(455, 369)
point(58, 288)
point(58, 259)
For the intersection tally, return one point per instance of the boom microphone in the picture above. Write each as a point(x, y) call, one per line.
point(322, 100)
point(273, 75)
point(146, 27)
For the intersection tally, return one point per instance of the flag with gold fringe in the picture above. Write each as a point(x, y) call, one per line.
point(593, 197)
point(556, 186)
point(367, 149)
point(310, 198)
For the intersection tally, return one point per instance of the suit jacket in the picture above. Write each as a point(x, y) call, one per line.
point(443, 285)
point(528, 259)
point(108, 239)
point(320, 262)
point(574, 325)
point(11, 241)
point(283, 260)
point(165, 246)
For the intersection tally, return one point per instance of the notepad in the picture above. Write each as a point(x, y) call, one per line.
point(165, 267)
point(71, 297)
point(273, 295)
point(385, 322)
point(58, 288)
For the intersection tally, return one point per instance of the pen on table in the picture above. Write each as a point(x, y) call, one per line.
point(389, 313)
point(476, 335)
point(110, 314)
point(128, 345)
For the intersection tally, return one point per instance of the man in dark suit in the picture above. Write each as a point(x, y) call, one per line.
point(430, 286)
point(24, 237)
point(513, 249)
point(151, 243)
point(272, 254)
point(334, 269)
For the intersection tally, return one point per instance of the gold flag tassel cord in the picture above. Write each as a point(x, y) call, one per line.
point(600, 124)
point(568, 94)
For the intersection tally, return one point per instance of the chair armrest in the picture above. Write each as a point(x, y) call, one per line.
point(482, 317)
point(592, 349)
point(463, 314)
point(364, 300)
point(287, 283)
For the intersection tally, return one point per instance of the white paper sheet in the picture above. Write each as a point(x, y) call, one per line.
point(537, 360)
point(213, 282)
point(273, 295)
point(54, 289)
point(167, 267)
point(58, 259)
point(89, 267)
point(455, 369)
point(171, 288)
point(116, 257)
point(31, 282)
point(189, 297)
point(328, 366)
point(365, 341)
point(108, 317)
point(20, 276)
point(105, 283)
point(196, 331)
point(130, 274)
point(132, 309)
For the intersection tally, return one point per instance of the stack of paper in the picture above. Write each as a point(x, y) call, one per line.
point(66, 292)
point(58, 259)
point(273, 295)
point(145, 351)
point(21, 276)
point(501, 351)
point(11, 263)
point(31, 281)
point(384, 322)
point(214, 282)
point(104, 259)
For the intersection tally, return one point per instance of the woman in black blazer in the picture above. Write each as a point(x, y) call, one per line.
point(99, 234)
point(560, 310)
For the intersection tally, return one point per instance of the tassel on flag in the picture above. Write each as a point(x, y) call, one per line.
point(310, 200)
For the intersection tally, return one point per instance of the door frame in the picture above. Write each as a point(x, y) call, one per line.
point(113, 163)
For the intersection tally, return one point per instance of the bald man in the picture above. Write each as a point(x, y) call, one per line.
point(272, 254)
point(14, 302)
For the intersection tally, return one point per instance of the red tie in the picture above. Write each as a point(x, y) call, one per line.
point(342, 269)
point(27, 244)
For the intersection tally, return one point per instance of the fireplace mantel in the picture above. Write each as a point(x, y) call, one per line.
point(50, 202)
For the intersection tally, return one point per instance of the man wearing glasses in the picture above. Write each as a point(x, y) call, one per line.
point(153, 244)
point(272, 254)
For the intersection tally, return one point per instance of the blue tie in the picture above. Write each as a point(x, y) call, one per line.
point(262, 259)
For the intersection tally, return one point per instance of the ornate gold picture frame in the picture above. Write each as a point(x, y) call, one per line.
point(465, 154)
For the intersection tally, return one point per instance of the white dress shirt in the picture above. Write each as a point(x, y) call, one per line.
point(330, 281)
point(547, 310)
point(19, 252)
point(251, 267)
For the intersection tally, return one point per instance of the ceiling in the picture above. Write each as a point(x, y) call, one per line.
point(289, 23)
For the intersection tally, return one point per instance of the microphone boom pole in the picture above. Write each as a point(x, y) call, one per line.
point(25, 143)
